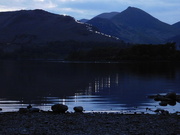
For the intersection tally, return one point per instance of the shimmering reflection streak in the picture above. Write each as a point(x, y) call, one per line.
point(95, 86)
point(100, 84)
point(89, 102)
point(117, 79)
point(10, 105)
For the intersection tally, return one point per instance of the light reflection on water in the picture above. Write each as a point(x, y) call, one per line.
point(96, 87)
point(90, 104)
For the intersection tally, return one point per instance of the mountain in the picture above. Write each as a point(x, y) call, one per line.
point(175, 39)
point(177, 25)
point(37, 34)
point(83, 20)
point(103, 15)
point(107, 15)
point(39, 26)
point(135, 26)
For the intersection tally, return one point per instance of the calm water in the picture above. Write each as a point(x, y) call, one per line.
point(121, 87)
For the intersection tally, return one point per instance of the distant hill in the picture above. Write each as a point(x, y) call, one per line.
point(134, 25)
point(39, 26)
point(36, 34)
point(103, 15)
point(175, 39)
point(107, 15)
point(83, 20)
point(177, 25)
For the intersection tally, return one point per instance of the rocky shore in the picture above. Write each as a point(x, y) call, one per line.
point(50, 123)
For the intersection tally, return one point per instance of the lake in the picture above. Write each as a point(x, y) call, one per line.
point(98, 87)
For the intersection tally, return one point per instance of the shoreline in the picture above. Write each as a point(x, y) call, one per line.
point(92, 61)
point(42, 123)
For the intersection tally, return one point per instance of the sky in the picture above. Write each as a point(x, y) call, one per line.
point(165, 10)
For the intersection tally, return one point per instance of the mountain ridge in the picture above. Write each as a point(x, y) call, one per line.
point(136, 26)
point(107, 15)
point(177, 25)
point(44, 27)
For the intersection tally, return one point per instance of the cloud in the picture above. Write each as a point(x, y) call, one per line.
point(162, 9)
point(44, 4)
point(4, 8)
point(38, 0)
point(9, 5)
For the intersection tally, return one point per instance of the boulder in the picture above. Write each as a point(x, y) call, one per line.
point(163, 103)
point(178, 98)
point(158, 110)
point(171, 96)
point(161, 111)
point(34, 110)
point(162, 98)
point(165, 112)
point(151, 96)
point(172, 103)
point(23, 110)
point(29, 106)
point(59, 108)
point(78, 109)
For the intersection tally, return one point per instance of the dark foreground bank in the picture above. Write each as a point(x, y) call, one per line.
point(46, 123)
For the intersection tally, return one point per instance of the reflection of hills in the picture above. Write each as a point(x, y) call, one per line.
point(131, 84)
point(123, 83)
point(32, 79)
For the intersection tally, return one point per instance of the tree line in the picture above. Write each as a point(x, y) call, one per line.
point(163, 52)
point(92, 51)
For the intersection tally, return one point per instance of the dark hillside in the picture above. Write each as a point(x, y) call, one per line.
point(134, 25)
point(38, 26)
point(177, 25)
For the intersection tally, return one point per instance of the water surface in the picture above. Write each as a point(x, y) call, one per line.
point(119, 87)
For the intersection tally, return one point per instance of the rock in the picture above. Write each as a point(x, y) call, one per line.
point(59, 108)
point(178, 98)
point(23, 110)
point(29, 106)
point(165, 112)
point(157, 97)
point(162, 98)
point(163, 103)
point(171, 95)
point(151, 96)
point(78, 109)
point(172, 103)
point(161, 111)
point(34, 110)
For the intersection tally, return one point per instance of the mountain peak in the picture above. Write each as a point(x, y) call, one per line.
point(135, 17)
point(131, 8)
point(107, 15)
point(134, 8)
point(135, 12)
point(135, 26)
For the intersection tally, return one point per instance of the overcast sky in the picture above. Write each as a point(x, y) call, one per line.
point(165, 10)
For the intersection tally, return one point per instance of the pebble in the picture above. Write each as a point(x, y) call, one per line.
point(78, 109)
point(88, 123)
